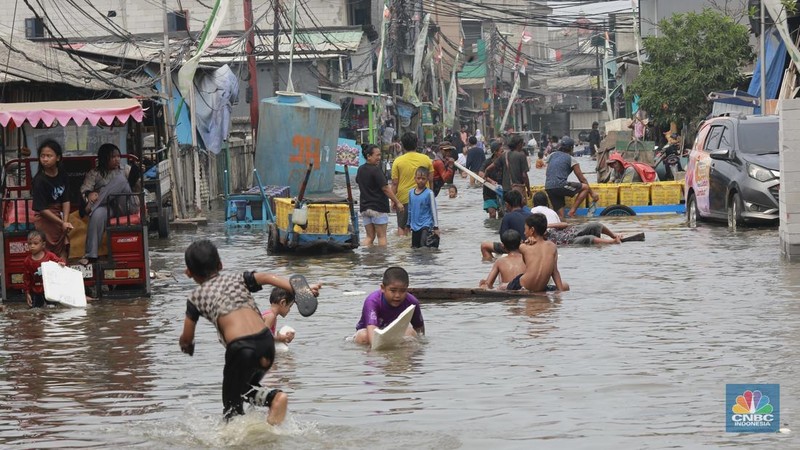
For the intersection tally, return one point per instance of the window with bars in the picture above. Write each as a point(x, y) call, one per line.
point(178, 20)
point(34, 27)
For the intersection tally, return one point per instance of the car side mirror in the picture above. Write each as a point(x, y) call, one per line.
point(722, 155)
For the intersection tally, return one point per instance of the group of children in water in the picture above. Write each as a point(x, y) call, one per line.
point(527, 264)
point(249, 335)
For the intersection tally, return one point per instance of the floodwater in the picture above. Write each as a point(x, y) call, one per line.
point(636, 355)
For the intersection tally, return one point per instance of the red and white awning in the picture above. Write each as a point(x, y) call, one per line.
point(103, 112)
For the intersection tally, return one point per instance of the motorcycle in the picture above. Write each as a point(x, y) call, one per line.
point(667, 162)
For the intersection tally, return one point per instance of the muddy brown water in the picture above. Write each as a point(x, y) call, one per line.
point(636, 355)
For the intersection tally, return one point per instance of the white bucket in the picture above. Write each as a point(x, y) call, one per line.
point(300, 216)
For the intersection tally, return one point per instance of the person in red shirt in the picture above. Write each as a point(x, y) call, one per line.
point(442, 167)
point(32, 275)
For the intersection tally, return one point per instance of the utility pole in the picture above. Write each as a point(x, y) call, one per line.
point(597, 93)
point(492, 81)
point(251, 66)
point(398, 48)
point(172, 144)
point(276, 28)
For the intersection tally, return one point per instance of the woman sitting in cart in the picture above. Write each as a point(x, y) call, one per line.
point(108, 178)
point(626, 172)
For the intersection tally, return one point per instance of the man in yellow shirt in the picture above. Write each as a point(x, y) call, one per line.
point(403, 171)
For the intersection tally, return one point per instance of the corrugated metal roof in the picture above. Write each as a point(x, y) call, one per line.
point(22, 60)
point(227, 48)
point(6, 77)
point(308, 45)
point(141, 50)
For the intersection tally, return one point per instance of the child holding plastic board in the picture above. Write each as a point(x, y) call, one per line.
point(226, 300)
point(32, 275)
point(383, 306)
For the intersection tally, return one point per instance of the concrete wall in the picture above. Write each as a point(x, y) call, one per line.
point(790, 179)
point(582, 120)
point(303, 79)
point(145, 16)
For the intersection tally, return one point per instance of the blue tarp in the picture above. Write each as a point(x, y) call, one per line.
point(776, 61)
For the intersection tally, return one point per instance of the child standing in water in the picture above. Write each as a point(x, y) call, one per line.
point(226, 301)
point(383, 306)
point(280, 303)
point(422, 218)
point(32, 275)
point(50, 192)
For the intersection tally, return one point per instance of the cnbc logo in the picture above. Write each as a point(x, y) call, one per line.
point(752, 408)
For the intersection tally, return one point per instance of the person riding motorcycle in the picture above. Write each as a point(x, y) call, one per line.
point(670, 155)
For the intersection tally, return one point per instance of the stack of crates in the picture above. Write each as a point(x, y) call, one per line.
point(666, 193)
point(323, 218)
point(634, 194)
point(608, 192)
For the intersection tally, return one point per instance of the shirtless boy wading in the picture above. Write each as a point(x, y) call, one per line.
point(541, 258)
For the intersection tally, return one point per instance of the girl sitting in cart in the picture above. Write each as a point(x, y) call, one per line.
point(50, 194)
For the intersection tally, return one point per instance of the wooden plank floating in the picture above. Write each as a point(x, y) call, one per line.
point(433, 293)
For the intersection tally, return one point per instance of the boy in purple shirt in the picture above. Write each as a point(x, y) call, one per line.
point(383, 306)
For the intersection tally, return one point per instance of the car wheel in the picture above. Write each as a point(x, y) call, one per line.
point(691, 211)
point(618, 210)
point(735, 212)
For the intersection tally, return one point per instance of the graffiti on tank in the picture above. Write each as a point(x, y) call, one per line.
point(307, 150)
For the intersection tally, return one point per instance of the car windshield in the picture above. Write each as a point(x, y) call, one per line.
point(758, 138)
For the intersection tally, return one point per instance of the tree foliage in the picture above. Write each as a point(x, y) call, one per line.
point(693, 55)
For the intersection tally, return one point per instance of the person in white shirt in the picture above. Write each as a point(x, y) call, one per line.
point(540, 206)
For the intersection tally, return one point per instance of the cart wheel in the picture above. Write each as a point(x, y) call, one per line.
point(618, 210)
point(273, 240)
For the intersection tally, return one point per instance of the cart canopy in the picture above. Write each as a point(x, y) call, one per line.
point(79, 111)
